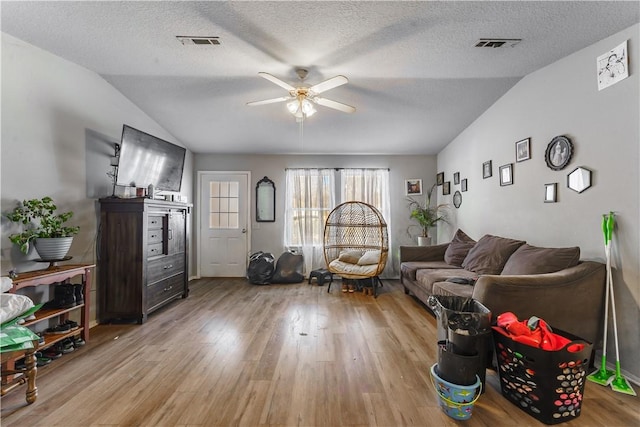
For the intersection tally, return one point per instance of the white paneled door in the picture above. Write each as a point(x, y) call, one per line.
point(224, 221)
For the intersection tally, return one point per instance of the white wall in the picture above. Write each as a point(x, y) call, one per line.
point(562, 99)
point(269, 237)
point(59, 123)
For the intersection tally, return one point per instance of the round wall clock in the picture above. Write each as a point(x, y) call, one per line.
point(457, 199)
point(558, 153)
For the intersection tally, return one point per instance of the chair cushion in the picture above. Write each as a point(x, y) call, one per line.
point(490, 254)
point(458, 249)
point(534, 260)
point(350, 256)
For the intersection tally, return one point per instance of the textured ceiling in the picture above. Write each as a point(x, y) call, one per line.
point(415, 77)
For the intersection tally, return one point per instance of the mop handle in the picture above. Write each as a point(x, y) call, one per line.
point(606, 294)
point(610, 225)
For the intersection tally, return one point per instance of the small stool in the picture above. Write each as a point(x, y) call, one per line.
point(321, 276)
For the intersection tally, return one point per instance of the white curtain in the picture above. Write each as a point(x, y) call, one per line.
point(310, 197)
point(370, 186)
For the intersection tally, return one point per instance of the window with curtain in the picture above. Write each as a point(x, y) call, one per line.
point(310, 197)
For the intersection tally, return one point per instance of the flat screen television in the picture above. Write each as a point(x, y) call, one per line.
point(146, 159)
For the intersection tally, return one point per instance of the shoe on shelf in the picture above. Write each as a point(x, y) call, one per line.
point(78, 341)
point(351, 289)
point(52, 353)
point(20, 364)
point(72, 325)
point(345, 288)
point(40, 338)
point(60, 329)
point(65, 346)
point(77, 292)
point(42, 360)
point(64, 296)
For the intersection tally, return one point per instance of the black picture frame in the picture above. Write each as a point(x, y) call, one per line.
point(487, 169)
point(523, 150)
point(506, 174)
point(463, 185)
point(558, 153)
point(551, 192)
point(440, 178)
point(446, 188)
point(456, 178)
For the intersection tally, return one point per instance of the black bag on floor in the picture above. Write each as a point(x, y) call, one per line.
point(289, 269)
point(261, 268)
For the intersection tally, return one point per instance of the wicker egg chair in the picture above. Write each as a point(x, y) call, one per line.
point(354, 228)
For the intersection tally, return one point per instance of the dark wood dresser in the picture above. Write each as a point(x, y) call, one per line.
point(143, 257)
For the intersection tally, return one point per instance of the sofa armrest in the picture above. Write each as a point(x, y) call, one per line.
point(423, 253)
point(571, 299)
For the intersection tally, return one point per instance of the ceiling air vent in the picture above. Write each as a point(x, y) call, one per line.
point(497, 42)
point(200, 41)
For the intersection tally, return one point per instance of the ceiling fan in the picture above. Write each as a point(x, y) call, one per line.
point(301, 99)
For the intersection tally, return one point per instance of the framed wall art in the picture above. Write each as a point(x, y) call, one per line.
point(487, 169)
point(558, 153)
point(523, 150)
point(506, 174)
point(551, 192)
point(613, 66)
point(457, 199)
point(456, 178)
point(446, 188)
point(440, 178)
point(463, 185)
point(413, 187)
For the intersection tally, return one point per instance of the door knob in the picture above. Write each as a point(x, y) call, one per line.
point(244, 230)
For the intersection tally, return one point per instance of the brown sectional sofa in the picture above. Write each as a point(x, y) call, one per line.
point(509, 275)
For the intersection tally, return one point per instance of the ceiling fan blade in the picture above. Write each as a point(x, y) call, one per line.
point(269, 101)
point(335, 105)
point(274, 79)
point(329, 84)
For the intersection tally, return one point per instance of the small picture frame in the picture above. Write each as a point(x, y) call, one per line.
point(463, 185)
point(523, 150)
point(558, 153)
point(440, 178)
point(456, 178)
point(446, 188)
point(551, 192)
point(413, 187)
point(506, 174)
point(487, 169)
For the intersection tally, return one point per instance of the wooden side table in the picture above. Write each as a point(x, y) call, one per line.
point(18, 376)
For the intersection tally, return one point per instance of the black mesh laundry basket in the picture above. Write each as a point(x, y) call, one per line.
point(548, 385)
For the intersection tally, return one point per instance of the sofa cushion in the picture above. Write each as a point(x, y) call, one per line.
point(490, 254)
point(534, 260)
point(427, 277)
point(452, 289)
point(369, 258)
point(351, 257)
point(458, 248)
point(408, 268)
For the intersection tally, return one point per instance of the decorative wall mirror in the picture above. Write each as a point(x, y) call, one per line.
point(265, 200)
point(579, 180)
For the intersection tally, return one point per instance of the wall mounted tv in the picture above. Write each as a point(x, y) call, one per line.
point(145, 159)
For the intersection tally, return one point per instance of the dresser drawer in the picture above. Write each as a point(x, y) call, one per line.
point(155, 222)
point(165, 290)
point(155, 236)
point(154, 249)
point(164, 267)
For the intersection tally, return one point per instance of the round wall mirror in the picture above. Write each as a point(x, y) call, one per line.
point(579, 179)
point(457, 199)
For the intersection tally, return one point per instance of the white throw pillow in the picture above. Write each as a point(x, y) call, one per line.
point(369, 258)
point(350, 257)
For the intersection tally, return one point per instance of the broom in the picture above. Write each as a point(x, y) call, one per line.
point(604, 376)
point(619, 383)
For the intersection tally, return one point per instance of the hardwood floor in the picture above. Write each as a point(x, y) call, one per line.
point(281, 355)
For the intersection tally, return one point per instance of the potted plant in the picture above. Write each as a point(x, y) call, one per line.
point(425, 215)
point(42, 225)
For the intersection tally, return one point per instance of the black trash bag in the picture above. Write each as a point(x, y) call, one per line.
point(261, 267)
point(460, 314)
point(289, 269)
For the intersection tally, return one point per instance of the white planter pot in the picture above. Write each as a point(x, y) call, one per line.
point(424, 241)
point(53, 248)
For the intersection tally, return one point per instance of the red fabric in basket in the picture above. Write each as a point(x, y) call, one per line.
point(540, 336)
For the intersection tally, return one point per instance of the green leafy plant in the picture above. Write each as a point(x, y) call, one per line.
point(39, 219)
point(424, 214)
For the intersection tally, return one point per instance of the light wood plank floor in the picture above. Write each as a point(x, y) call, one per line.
point(281, 355)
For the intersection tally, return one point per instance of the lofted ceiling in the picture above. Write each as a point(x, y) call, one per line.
point(415, 76)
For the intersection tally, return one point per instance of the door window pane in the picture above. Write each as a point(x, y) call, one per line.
point(224, 204)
